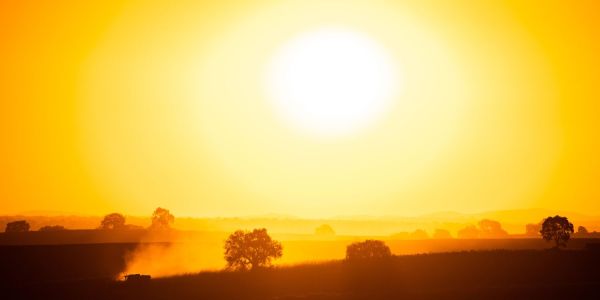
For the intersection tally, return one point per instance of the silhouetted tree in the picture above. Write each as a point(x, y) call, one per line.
point(53, 228)
point(324, 231)
point(17, 226)
point(533, 229)
point(557, 229)
point(419, 234)
point(582, 230)
point(369, 249)
point(441, 234)
point(162, 219)
point(491, 229)
point(245, 250)
point(113, 221)
point(469, 232)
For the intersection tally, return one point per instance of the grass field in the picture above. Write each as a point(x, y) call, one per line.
point(84, 268)
point(87, 272)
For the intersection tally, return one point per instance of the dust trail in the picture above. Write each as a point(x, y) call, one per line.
point(176, 256)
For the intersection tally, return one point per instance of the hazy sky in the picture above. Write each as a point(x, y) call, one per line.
point(129, 105)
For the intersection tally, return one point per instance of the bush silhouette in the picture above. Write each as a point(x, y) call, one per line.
point(491, 229)
point(17, 226)
point(162, 219)
point(369, 249)
point(113, 221)
point(557, 229)
point(246, 250)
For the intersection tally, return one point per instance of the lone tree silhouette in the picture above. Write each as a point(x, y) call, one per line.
point(113, 221)
point(557, 229)
point(247, 250)
point(17, 226)
point(369, 249)
point(162, 219)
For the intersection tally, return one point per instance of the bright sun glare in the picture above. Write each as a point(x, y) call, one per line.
point(331, 82)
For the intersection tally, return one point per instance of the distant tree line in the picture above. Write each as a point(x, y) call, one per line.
point(534, 230)
point(251, 250)
point(487, 229)
point(17, 226)
point(484, 229)
point(161, 220)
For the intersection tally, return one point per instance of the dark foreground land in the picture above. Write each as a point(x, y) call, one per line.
point(501, 274)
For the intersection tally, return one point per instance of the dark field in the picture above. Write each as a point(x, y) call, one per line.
point(30, 265)
point(86, 272)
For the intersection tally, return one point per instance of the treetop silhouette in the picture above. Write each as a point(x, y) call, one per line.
point(162, 219)
point(248, 250)
point(112, 221)
point(557, 229)
point(17, 226)
point(491, 229)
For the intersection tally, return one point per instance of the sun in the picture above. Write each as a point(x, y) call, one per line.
point(331, 82)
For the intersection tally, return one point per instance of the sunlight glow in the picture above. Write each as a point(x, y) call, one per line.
point(257, 110)
point(331, 81)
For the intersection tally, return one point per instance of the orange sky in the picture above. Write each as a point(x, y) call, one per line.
point(129, 105)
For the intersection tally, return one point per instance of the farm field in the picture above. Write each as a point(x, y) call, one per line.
point(499, 274)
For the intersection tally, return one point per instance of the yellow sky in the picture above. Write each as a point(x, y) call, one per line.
point(129, 105)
